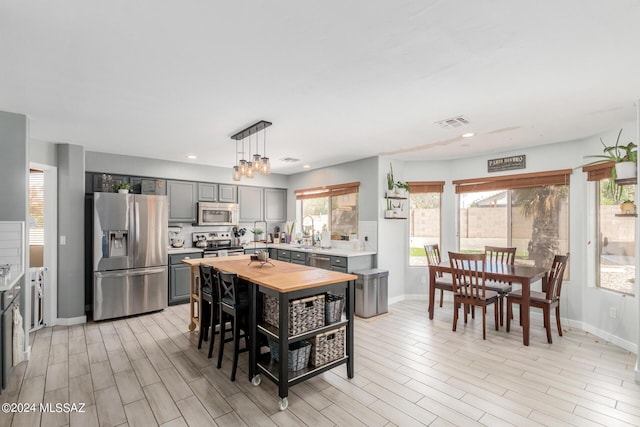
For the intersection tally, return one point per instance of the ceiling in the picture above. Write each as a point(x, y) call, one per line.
point(340, 80)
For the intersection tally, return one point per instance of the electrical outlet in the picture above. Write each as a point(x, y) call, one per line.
point(613, 312)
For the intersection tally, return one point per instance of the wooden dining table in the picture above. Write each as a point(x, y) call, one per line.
point(523, 274)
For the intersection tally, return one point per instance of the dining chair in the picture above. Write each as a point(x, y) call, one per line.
point(209, 303)
point(444, 283)
point(234, 306)
point(547, 299)
point(500, 255)
point(469, 287)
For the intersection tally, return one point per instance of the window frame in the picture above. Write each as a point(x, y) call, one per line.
point(425, 187)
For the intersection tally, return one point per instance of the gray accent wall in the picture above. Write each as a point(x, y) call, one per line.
point(71, 226)
point(14, 172)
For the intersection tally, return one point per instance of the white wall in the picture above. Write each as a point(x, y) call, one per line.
point(584, 304)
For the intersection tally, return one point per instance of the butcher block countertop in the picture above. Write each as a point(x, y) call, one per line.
point(279, 276)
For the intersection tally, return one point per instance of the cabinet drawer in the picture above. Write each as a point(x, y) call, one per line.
point(339, 261)
point(299, 257)
point(284, 255)
point(177, 258)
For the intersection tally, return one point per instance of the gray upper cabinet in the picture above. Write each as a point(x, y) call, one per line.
point(182, 201)
point(251, 200)
point(227, 193)
point(275, 205)
point(207, 192)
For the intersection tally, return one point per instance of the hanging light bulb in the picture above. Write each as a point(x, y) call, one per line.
point(236, 169)
point(257, 161)
point(265, 166)
point(243, 162)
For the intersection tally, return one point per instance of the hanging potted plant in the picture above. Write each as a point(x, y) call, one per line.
point(624, 156)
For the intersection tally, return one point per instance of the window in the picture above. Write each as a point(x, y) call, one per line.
point(36, 207)
point(424, 219)
point(528, 211)
point(332, 208)
point(615, 260)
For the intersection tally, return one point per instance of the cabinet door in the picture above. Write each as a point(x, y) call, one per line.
point(182, 201)
point(275, 201)
point(251, 203)
point(227, 193)
point(179, 281)
point(207, 192)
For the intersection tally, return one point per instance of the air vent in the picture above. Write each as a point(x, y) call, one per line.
point(454, 122)
point(290, 160)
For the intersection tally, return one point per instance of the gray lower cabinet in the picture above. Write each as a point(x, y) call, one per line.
point(180, 277)
point(273, 253)
point(275, 205)
point(182, 201)
point(7, 300)
point(251, 201)
point(299, 258)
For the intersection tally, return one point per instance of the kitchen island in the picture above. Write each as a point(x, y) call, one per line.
point(286, 282)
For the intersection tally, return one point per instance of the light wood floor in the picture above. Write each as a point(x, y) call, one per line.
point(146, 371)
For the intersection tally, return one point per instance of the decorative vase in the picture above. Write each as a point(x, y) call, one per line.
point(388, 214)
point(625, 170)
point(392, 193)
point(123, 191)
point(397, 212)
point(628, 207)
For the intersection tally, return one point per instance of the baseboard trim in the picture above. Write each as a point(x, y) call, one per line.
point(70, 321)
point(627, 345)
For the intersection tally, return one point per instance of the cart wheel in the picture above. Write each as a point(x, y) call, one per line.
point(256, 380)
point(283, 404)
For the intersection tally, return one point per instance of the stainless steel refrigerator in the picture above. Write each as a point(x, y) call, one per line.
point(130, 241)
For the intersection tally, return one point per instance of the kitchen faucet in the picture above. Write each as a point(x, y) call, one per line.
point(313, 241)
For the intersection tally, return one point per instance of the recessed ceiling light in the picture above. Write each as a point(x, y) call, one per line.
point(468, 135)
point(191, 156)
point(306, 166)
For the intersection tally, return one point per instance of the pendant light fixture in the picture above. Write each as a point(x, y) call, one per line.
point(259, 164)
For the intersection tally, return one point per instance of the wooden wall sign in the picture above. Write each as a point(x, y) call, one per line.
point(507, 163)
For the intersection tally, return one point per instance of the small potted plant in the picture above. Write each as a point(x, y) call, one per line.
point(402, 188)
point(257, 232)
point(391, 184)
point(628, 207)
point(123, 188)
point(389, 212)
point(397, 209)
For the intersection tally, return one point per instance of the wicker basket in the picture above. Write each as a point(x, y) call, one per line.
point(327, 347)
point(305, 314)
point(298, 354)
point(333, 305)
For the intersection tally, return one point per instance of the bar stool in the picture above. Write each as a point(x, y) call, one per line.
point(234, 304)
point(209, 303)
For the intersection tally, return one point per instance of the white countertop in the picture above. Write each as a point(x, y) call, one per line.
point(173, 251)
point(324, 251)
point(8, 282)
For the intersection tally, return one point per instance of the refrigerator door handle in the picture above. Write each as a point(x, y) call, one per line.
point(134, 272)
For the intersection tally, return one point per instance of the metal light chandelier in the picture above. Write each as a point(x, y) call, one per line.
point(260, 164)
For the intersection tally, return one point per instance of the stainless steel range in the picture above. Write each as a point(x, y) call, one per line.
point(218, 243)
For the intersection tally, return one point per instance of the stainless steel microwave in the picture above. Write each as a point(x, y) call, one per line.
point(217, 213)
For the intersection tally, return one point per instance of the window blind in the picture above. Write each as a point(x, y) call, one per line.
point(426, 186)
point(36, 207)
point(327, 191)
point(508, 182)
point(598, 171)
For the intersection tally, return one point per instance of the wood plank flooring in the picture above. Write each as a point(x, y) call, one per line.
point(146, 371)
